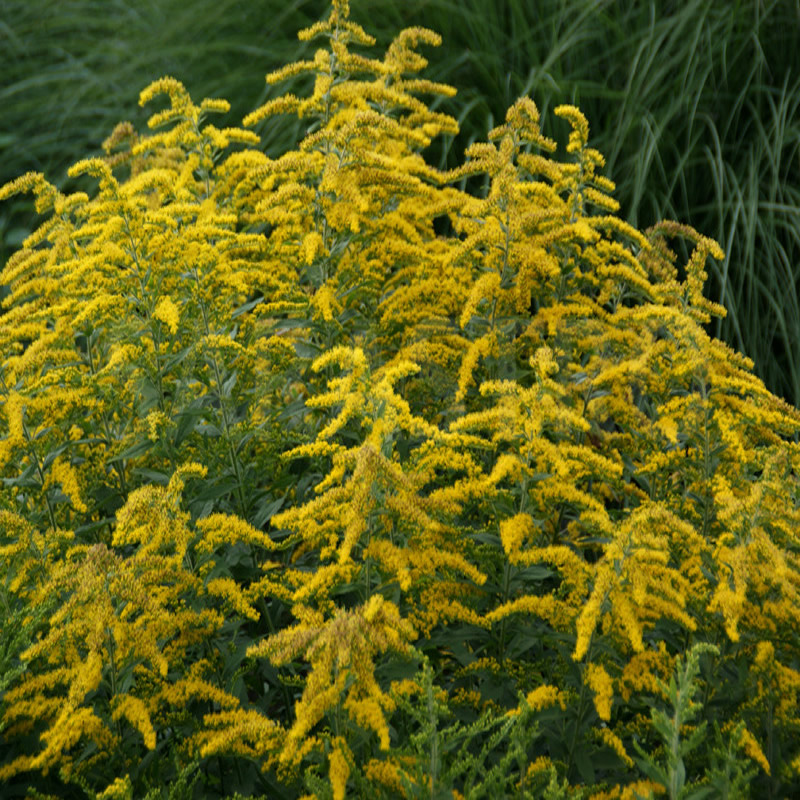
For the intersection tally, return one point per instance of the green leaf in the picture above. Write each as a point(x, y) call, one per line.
point(245, 307)
point(133, 451)
point(152, 476)
point(187, 419)
point(583, 762)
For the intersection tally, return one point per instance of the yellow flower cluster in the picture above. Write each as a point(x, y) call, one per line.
point(270, 440)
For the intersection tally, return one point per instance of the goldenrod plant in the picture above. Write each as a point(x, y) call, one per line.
point(693, 105)
point(336, 474)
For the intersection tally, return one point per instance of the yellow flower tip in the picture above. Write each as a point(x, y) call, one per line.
point(580, 126)
point(513, 533)
point(63, 473)
point(166, 85)
point(753, 749)
point(123, 132)
point(765, 653)
point(135, 712)
point(587, 622)
point(307, 34)
point(216, 106)
point(599, 681)
point(715, 251)
point(669, 427)
point(414, 36)
point(611, 740)
point(96, 167)
point(543, 697)
point(523, 108)
point(14, 412)
point(167, 312)
point(543, 362)
point(339, 769)
point(119, 789)
point(341, 8)
point(191, 469)
point(485, 288)
point(311, 247)
point(372, 607)
point(242, 136)
point(25, 183)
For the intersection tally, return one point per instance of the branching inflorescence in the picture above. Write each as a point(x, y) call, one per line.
point(331, 472)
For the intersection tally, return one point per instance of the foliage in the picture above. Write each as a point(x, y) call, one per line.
point(339, 474)
point(694, 105)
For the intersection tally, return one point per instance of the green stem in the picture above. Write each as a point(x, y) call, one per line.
point(434, 757)
point(706, 458)
point(118, 467)
point(154, 332)
point(35, 457)
point(40, 472)
point(264, 609)
point(581, 706)
point(112, 659)
point(226, 424)
point(506, 588)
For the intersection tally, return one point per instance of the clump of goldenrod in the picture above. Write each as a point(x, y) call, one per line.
point(323, 474)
